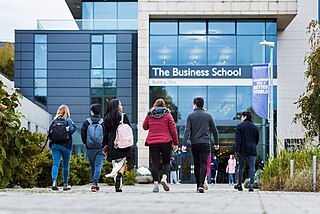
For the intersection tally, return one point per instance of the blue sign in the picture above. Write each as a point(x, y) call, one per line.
point(212, 72)
point(260, 90)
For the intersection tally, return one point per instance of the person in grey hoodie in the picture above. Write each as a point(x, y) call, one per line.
point(199, 127)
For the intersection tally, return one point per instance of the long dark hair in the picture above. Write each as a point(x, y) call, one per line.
point(112, 113)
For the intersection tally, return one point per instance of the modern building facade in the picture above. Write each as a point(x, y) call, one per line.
point(142, 50)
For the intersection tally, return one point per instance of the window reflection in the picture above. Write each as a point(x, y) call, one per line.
point(192, 50)
point(163, 50)
point(127, 10)
point(249, 51)
point(271, 28)
point(221, 50)
point(95, 73)
point(222, 102)
point(192, 27)
point(250, 27)
point(96, 56)
point(221, 27)
point(40, 56)
point(164, 28)
point(244, 99)
point(110, 55)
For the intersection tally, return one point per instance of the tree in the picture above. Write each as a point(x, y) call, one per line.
point(7, 60)
point(309, 101)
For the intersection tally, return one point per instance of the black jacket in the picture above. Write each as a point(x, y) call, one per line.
point(95, 119)
point(199, 126)
point(247, 138)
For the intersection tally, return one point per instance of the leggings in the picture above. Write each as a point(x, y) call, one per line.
point(163, 149)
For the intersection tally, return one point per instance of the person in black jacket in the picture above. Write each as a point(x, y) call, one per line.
point(199, 126)
point(94, 152)
point(247, 138)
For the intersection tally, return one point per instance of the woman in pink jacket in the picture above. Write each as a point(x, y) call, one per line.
point(231, 169)
point(162, 134)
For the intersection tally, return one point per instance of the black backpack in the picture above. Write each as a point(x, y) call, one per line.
point(58, 131)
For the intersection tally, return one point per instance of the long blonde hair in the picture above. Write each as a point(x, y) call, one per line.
point(158, 103)
point(63, 111)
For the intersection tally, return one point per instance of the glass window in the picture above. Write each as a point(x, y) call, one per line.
point(222, 27)
point(110, 83)
point(192, 27)
point(87, 10)
point(110, 73)
point(110, 38)
point(244, 99)
point(127, 10)
point(96, 38)
point(271, 27)
point(251, 27)
point(185, 100)
point(163, 50)
point(221, 50)
point(249, 51)
point(271, 39)
point(40, 82)
point(95, 73)
point(40, 92)
point(110, 92)
point(164, 28)
point(40, 60)
point(110, 56)
point(96, 91)
point(40, 38)
point(222, 102)
point(105, 10)
point(96, 83)
point(192, 50)
point(40, 73)
point(96, 56)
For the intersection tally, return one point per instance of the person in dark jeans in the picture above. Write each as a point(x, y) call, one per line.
point(198, 128)
point(95, 155)
point(247, 138)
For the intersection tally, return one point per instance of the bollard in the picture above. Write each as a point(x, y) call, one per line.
point(314, 179)
point(291, 168)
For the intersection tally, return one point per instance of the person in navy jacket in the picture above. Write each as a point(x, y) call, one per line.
point(247, 138)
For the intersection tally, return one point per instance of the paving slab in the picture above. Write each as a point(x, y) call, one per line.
point(182, 198)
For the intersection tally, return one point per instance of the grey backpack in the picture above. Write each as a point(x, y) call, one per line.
point(94, 134)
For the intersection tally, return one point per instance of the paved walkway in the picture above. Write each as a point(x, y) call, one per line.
point(220, 198)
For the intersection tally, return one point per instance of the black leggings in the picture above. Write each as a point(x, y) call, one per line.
point(165, 150)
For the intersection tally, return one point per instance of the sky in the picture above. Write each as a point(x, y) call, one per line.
point(23, 15)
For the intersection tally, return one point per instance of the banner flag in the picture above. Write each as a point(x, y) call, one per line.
point(260, 90)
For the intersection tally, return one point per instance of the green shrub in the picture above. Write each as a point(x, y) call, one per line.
point(129, 177)
point(276, 176)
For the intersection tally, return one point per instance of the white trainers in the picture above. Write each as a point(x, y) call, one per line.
point(164, 184)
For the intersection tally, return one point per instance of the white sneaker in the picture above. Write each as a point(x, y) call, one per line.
point(164, 184)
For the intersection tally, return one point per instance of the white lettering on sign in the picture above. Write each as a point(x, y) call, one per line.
point(223, 72)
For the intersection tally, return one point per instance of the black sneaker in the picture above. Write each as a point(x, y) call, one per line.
point(251, 188)
point(238, 187)
point(118, 182)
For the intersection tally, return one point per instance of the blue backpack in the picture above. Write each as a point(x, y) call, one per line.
point(94, 134)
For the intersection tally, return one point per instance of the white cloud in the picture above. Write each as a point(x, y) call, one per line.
point(23, 15)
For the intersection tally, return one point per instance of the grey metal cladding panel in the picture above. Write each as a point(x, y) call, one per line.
point(27, 38)
point(124, 83)
point(124, 65)
point(69, 56)
point(17, 47)
point(68, 83)
point(26, 64)
point(17, 82)
point(68, 73)
point(17, 64)
point(74, 92)
point(27, 92)
point(126, 101)
point(26, 82)
point(27, 47)
point(25, 73)
point(79, 118)
point(124, 74)
point(125, 92)
point(74, 109)
point(68, 38)
point(127, 109)
point(68, 100)
point(69, 47)
point(27, 55)
point(17, 73)
point(124, 38)
point(124, 56)
point(68, 64)
point(17, 39)
point(124, 47)
point(17, 55)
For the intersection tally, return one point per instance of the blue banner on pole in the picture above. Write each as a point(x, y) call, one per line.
point(260, 90)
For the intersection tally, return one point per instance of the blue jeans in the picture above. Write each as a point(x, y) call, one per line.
point(231, 180)
point(58, 151)
point(96, 158)
point(252, 168)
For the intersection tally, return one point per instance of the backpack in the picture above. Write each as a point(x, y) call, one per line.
point(94, 134)
point(58, 131)
point(124, 135)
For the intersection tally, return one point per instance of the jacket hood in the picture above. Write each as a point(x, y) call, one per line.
point(158, 112)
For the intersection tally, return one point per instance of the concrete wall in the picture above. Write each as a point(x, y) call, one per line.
point(283, 10)
point(36, 119)
point(292, 48)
